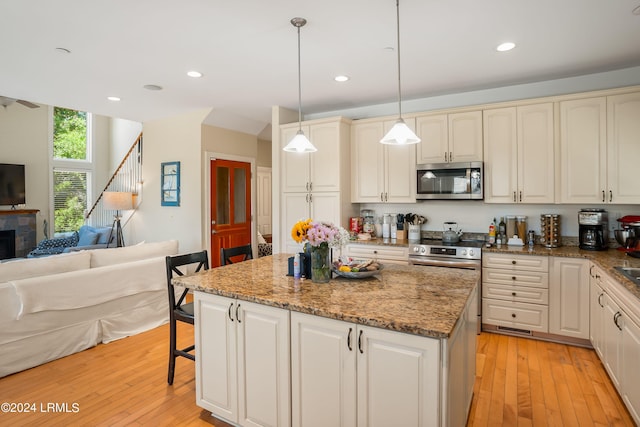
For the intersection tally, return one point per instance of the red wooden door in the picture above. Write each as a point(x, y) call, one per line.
point(230, 206)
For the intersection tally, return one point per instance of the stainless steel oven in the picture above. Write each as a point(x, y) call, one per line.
point(464, 254)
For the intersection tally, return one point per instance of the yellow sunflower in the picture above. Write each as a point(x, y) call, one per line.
point(299, 230)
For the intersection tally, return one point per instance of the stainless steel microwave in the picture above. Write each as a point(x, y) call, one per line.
point(449, 181)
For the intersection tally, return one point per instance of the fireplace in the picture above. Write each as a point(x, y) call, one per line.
point(7, 244)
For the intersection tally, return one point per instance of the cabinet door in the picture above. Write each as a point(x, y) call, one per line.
point(465, 137)
point(569, 297)
point(367, 163)
point(400, 169)
point(326, 207)
point(612, 340)
point(597, 317)
point(536, 170)
point(500, 155)
point(631, 373)
point(398, 381)
point(583, 145)
point(623, 148)
point(323, 371)
point(216, 356)
point(324, 171)
point(433, 130)
point(294, 167)
point(263, 365)
point(295, 207)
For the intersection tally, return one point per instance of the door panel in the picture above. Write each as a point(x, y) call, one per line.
point(230, 206)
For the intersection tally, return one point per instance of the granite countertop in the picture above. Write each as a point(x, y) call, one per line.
point(426, 301)
point(606, 260)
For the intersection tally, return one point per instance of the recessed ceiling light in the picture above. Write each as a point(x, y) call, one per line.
point(505, 47)
point(194, 74)
point(113, 98)
point(341, 78)
point(152, 87)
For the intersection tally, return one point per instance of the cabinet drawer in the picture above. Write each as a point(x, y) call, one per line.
point(389, 254)
point(516, 278)
point(519, 315)
point(516, 262)
point(516, 293)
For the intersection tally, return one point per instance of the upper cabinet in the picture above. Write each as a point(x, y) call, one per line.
point(318, 171)
point(455, 137)
point(519, 154)
point(599, 148)
point(381, 173)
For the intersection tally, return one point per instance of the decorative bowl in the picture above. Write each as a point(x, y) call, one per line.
point(358, 274)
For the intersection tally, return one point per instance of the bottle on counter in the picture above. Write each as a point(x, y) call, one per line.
point(296, 266)
point(492, 232)
point(502, 227)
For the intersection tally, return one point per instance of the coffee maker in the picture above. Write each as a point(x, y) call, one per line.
point(593, 229)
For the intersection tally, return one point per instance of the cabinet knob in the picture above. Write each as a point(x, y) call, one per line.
point(513, 294)
point(513, 262)
point(513, 315)
point(513, 278)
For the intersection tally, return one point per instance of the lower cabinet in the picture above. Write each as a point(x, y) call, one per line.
point(615, 335)
point(383, 253)
point(569, 297)
point(242, 361)
point(345, 374)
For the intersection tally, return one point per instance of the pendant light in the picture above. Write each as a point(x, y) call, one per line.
point(400, 133)
point(299, 143)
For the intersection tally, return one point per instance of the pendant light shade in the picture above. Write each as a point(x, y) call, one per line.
point(400, 133)
point(299, 143)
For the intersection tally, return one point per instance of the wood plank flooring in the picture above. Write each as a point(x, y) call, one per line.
point(520, 382)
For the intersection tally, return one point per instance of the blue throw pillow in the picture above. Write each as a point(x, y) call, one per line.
point(88, 238)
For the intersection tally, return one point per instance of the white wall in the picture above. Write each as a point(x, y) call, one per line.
point(123, 134)
point(172, 139)
point(24, 140)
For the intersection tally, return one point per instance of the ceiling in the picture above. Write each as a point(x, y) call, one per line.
point(247, 52)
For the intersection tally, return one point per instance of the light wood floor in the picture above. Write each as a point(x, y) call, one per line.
point(519, 382)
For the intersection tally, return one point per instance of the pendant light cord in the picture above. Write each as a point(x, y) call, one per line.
point(398, 49)
point(299, 84)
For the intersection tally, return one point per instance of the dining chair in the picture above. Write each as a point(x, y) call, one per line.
point(227, 253)
point(181, 311)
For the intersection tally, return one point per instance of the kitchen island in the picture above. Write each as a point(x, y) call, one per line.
point(394, 349)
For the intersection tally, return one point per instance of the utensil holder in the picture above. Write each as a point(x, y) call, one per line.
point(414, 232)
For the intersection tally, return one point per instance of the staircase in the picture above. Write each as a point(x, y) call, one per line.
point(127, 178)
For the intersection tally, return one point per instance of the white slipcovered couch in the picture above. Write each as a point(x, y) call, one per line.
point(58, 305)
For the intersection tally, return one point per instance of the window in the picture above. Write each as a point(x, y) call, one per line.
point(72, 168)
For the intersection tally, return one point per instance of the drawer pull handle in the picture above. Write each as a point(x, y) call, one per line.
point(513, 294)
point(229, 312)
point(349, 340)
point(360, 342)
point(615, 319)
point(599, 300)
point(513, 262)
point(513, 315)
point(513, 277)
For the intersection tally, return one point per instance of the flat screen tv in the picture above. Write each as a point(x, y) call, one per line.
point(12, 188)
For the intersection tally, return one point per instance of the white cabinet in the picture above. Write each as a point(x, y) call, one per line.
point(242, 361)
point(381, 173)
point(323, 372)
point(315, 185)
point(519, 154)
point(346, 374)
point(596, 310)
point(515, 292)
point(386, 254)
point(455, 137)
point(623, 148)
point(318, 171)
point(616, 336)
point(569, 297)
point(583, 155)
point(598, 149)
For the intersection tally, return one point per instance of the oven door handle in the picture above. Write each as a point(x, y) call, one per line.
point(471, 264)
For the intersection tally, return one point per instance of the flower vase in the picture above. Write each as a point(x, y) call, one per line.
point(320, 263)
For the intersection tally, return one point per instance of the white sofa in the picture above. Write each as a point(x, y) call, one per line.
point(55, 306)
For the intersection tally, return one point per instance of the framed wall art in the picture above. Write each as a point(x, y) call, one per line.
point(170, 184)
